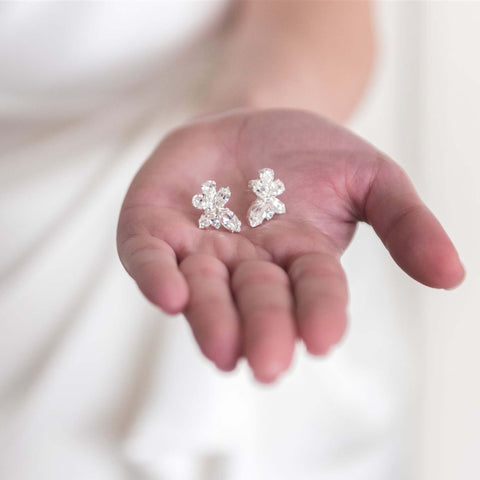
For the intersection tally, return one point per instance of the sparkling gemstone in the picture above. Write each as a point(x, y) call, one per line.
point(216, 222)
point(266, 175)
point(277, 188)
point(230, 220)
point(203, 221)
point(213, 204)
point(268, 212)
point(278, 206)
point(222, 197)
point(209, 188)
point(256, 213)
point(199, 201)
point(266, 205)
point(259, 188)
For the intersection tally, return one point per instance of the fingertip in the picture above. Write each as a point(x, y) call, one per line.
point(226, 365)
point(324, 327)
point(318, 349)
point(268, 368)
point(460, 278)
point(171, 296)
point(174, 302)
point(152, 263)
point(221, 346)
point(224, 358)
point(421, 247)
point(320, 342)
point(226, 355)
point(455, 275)
point(443, 267)
point(267, 375)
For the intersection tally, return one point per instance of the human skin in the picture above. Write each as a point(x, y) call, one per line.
point(312, 55)
point(257, 292)
point(251, 293)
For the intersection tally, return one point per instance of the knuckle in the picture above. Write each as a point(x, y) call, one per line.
point(320, 334)
point(203, 266)
point(267, 314)
point(136, 251)
point(250, 273)
point(314, 266)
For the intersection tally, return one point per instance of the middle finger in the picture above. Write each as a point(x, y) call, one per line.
point(265, 302)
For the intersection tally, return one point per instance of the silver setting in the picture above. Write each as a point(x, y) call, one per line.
point(266, 188)
point(213, 204)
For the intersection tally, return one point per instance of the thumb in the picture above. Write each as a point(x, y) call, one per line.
point(411, 233)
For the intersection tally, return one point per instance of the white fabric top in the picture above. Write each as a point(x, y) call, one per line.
point(97, 384)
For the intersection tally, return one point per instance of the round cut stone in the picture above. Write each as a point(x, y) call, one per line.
point(199, 201)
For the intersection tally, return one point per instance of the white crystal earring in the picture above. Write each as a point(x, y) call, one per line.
point(213, 204)
point(266, 205)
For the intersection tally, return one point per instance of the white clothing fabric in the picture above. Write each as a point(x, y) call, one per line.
point(97, 384)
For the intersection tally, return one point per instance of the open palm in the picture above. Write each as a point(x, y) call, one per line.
point(255, 292)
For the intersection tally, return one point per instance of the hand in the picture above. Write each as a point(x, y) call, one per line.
point(253, 293)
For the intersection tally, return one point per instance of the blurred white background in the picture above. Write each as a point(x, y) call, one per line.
point(99, 380)
point(424, 111)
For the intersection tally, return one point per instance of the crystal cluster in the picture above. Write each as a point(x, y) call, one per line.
point(215, 214)
point(267, 205)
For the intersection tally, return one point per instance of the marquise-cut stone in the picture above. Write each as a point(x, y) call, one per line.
point(278, 206)
point(269, 212)
point(256, 214)
point(222, 197)
point(230, 220)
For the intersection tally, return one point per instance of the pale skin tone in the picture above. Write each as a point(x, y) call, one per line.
point(258, 292)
